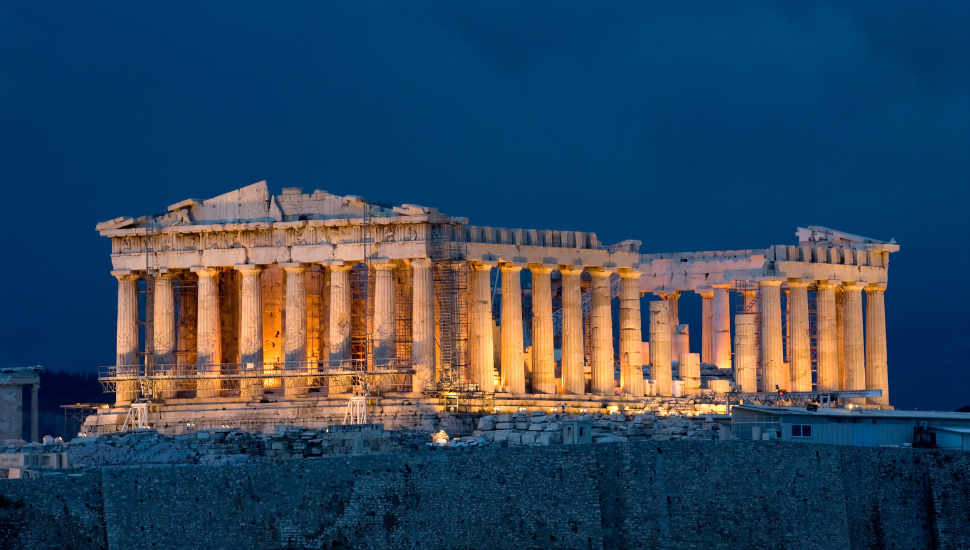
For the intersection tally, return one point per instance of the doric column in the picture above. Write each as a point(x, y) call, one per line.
point(34, 413)
point(745, 354)
point(339, 314)
point(800, 362)
point(828, 368)
point(601, 340)
point(482, 346)
point(722, 327)
point(294, 330)
point(164, 322)
point(543, 352)
point(208, 333)
point(422, 323)
point(671, 297)
point(573, 363)
point(385, 345)
point(690, 370)
point(854, 346)
point(251, 327)
point(513, 366)
point(877, 373)
point(126, 357)
point(772, 356)
point(631, 337)
point(660, 371)
point(840, 334)
point(707, 325)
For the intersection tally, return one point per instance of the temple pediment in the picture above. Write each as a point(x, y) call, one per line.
point(253, 203)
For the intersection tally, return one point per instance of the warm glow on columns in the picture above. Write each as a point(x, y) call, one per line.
point(251, 314)
point(601, 341)
point(631, 337)
point(776, 376)
point(126, 357)
point(707, 325)
point(385, 330)
point(660, 370)
point(422, 323)
point(854, 345)
point(721, 344)
point(573, 363)
point(481, 348)
point(828, 367)
point(164, 322)
point(340, 313)
point(209, 337)
point(513, 360)
point(800, 362)
point(543, 352)
point(877, 372)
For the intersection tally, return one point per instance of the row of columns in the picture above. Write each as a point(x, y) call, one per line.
point(863, 354)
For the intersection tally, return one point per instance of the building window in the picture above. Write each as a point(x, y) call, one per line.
point(801, 430)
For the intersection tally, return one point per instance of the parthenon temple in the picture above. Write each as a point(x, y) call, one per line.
point(252, 298)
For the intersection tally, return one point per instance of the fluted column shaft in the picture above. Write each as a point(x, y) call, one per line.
point(543, 352)
point(721, 344)
point(482, 344)
point(840, 334)
point(745, 355)
point(208, 333)
point(339, 313)
point(854, 345)
point(707, 326)
point(631, 337)
point(126, 346)
point(251, 315)
point(513, 366)
point(828, 368)
point(385, 345)
point(800, 362)
point(877, 372)
point(673, 316)
point(164, 322)
point(601, 340)
point(573, 362)
point(772, 362)
point(660, 371)
point(422, 323)
point(294, 332)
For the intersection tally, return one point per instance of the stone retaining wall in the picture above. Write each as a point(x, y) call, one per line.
point(653, 494)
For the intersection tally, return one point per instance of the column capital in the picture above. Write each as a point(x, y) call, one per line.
point(248, 268)
point(798, 283)
point(666, 294)
point(600, 272)
point(510, 267)
point(570, 269)
point(206, 271)
point(722, 286)
point(384, 266)
point(629, 273)
point(165, 274)
point(852, 286)
point(770, 281)
point(125, 274)
point(876, 287)
point(825, 285)
point(339, 266)
point(481, 266)
point(704, 292)
point(420, 262)
point(542, 268)
point(293, 267)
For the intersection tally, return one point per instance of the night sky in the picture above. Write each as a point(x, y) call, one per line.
point(688, 126)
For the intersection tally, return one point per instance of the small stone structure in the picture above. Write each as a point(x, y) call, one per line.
point(12, 381)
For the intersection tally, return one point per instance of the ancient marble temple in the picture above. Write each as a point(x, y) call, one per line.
point(249, 294)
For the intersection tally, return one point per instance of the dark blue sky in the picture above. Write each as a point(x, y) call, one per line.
point(689, 126)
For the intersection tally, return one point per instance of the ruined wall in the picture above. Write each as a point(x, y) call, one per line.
point(670, 494)
point(52, 513)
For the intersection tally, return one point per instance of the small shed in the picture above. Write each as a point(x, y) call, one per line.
point(577, 432)
point(856, 426)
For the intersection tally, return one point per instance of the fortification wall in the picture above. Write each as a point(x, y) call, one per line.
point(667, 494)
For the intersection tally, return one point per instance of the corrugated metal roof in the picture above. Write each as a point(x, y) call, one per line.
point(857, 413)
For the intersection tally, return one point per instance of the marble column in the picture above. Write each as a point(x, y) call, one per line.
point(840, 334)
point(573, 362)
point(775, 375)
point(601, 338)
point(671, 297)
point(854, 345)
point(828, 368)
point(512, 365)
point(208, 333)
point(422, 323)
point(690, 370)
point(800, 361)
point(482, 346)
point(745, 354)
point(251, 328)
point(164, 322)
point(543, 352)
point(631, 337)
point(877, 374)
point(660, 371)
point(339, 314)
point(722, 327)
point(385, 344)
point(126, 356)
point(707, 325)
point(294, 331)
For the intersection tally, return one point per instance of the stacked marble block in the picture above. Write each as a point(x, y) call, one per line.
point(539, 428)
